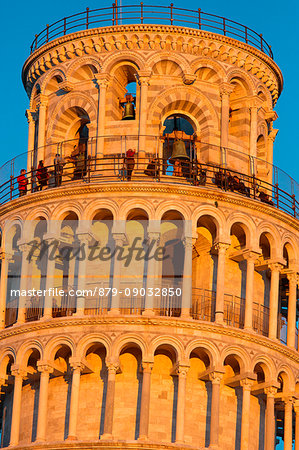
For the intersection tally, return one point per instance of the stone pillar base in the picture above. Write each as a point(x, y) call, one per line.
point(148, 312)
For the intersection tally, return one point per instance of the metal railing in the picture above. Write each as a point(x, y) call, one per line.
point(150, 14)
point(151, 170)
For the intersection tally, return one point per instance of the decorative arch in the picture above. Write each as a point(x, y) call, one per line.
point(73, 100)
point(54, 344)
point(167, 206)
point(110, 64)
point(248, 226)
point(167, 56)
point(40, 211)
point(185, 100)
point(47, 80)
point(129, 205)
point(218, 217)
point(91, 339)
point(211, 64)
point(267, 363)
point(170, 341)
point(24, 350)
point(273, 236)
point(81, 62)
point(126, 340)
point(288, 377)
point(241, 354)
point(67, 207)
point(209, 347)
point(94, 206)
point(238, 73)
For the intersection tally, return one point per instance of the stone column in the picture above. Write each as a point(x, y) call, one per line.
point(77, 367)
point(83, 240)
point(296, 409)
point(25, 249)
point(19, 374)
point(145, 400)
point(270, 418)
point(187, 280)
point(251, 257)
point(225, 91)
point(219, 312)
point(291, 333)
point(143, 81)
point(215, 378)
point(288, 423)
point(274, 292)
point(181, 401)
point(102, 83)
point(6, 258)
point(119, 240)
point(245, 426)
point(153, 239)
point(42, 115)
point(45, 371)
point(31, 118)
point(109, 409)
point(253, 130)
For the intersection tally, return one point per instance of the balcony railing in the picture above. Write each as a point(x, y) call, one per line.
point(203, 309)
point(150, 14)
point(152, 170)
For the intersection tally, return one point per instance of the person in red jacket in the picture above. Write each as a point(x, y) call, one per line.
point(22, 183)
point(129, 162)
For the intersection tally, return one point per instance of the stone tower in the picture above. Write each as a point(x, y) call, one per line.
point(89, 356)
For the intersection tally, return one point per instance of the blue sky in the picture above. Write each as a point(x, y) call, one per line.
point(277, 22)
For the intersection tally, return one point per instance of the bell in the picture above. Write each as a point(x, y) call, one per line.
point(129, 111)
point(179, 151)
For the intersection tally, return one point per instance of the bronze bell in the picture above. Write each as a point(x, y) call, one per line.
point(179, 151)
point(129, 111)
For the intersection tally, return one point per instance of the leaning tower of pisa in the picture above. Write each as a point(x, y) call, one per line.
point(195, 347)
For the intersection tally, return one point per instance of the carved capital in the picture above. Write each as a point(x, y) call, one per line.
point(216, 377)
point(112, 368)
point(188, 242)
point(66, 86)
point(102, 80)
point(270, 391)
point(44, 367)
point(247, 384)
point(252, 256)
point(221, 247)
point(182, 370)
point(272, 135)
point(292, 277)
point(18, 371)
point(119, 238)
point(226, 89)
point(275, 267)
point(147, 366)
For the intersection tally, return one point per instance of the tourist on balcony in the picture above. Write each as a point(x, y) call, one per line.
point(153, 168)
point(22, 183)
point(129, 162)
point(264, 197)
point(177, 168)
point(58, 168)
point(42, 176)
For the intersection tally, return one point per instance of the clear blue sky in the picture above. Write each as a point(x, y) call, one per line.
point(276, 20)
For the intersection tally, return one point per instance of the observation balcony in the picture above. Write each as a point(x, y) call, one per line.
point(150, 14)
point(217, 169)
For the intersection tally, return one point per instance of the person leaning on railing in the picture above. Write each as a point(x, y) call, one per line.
point(129, 162)
point(22, 183)
point(58, 169)
point(42, 176)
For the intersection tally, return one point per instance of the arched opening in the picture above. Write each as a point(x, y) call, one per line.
point(92, 395)
point(14, 274)
point(231, 394)
point(128, 388)
point(163, 397)
point(179, 147)
point(123, 92)
point(172, 266)
point(238, 113)
point(6, 400)
point(204, 269)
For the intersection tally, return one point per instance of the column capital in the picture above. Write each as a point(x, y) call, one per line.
point(44, 367)
point(153, 235)
point(24, 246)
point(189, 78)
point(6, 256)
point(272, 135)
point(143, 77)
point(103, 80)
point(221, 247)
point(216, 377)
point(296, 406)
point(119, 238)
point(18, 371)
point(113, 367)
point(270, 391)
point(182, 369)
point(147, 366)
point(247, 384)
point(226, 89)
point(275, 266)
point(288, 400)
point(252, 255)
point(292, 276)
point(77, 364)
